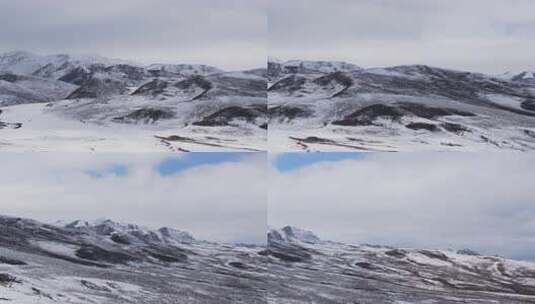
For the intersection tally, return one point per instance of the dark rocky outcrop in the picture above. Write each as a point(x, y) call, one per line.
point(224, 116)
point(145, 115)
point(153, 87)
point(10, 261)
point(95, 253)
point(10, 77)
point(98, 87)
point(289, 84)
point(367, 115)
point(337, 77)
point(289, 113)
point(7, 280)
point(422, 126)
point(467, 251)
point(195, 80)
point(77, 76)
point(428, 112)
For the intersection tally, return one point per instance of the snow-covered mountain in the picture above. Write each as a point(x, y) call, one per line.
point(293, 234)
point(74, 103)
point(331, 272)
point(50, 66)
point(524, 76)
point(109, 262)
point(21, 89)
point(111, 105)
point(183, 69)
point(402, 108)
point(278, 68)
point(105, 261)
point(130, 233)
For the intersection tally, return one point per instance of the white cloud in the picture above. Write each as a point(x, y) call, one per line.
point(221, 202)
point(437, 200)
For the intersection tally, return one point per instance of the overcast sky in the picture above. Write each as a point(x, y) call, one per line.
point(491, 36)
point(484, 202)
point(231, 34)
point(154, 190)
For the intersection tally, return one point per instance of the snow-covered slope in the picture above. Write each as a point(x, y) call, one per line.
point(524, 76)
point(330, 272)
point(99, 104)
point(402, 108)
point(293, 234)
point(278, 69)
point(130, 233)
point(50, 66)
point(183, 69)
point(319, 66)
point(108, 262)
point(20, 89)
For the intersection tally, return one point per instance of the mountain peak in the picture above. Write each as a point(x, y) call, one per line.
point(185, 69)
point(107, 227)
point(176, 235)
point(525, 75)
point(101, 226)
point(17, 53)
point(467, 251)
point(291, 233)
point(314, 66)
point(518, 76)
point(49, 66)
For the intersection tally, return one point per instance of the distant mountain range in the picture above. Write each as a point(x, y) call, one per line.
point(310, 270)
point(525, 76)
point(332, 106)
point(109, 262)
point(76, 103)
point(180, 106)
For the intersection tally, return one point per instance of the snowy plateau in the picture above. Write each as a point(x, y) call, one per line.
point(105, 261)
point(337, 106)
point(91, 103)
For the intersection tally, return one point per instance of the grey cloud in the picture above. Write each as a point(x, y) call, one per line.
point(485, 36)
point(229, 34)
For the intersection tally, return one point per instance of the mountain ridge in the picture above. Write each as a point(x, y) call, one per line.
point(108, 262)
point(335, 272)
point(400, 108)
point(52, 263)
point(177, 107)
